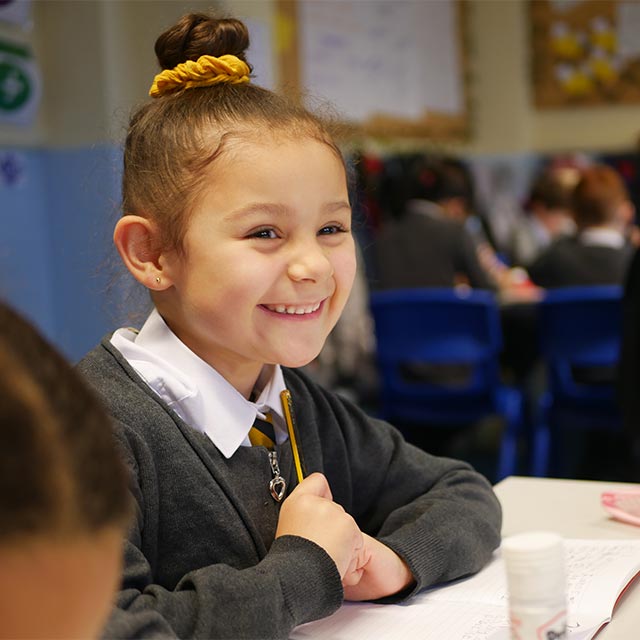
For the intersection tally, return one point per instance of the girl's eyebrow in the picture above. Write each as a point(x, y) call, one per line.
point(256, 208)
point(272, 208)
point(337, 205)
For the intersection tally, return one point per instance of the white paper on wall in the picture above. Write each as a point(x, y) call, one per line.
point(393, 57)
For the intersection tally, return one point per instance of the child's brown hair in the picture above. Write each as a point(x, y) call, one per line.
point(60, 470)
point(597, 197)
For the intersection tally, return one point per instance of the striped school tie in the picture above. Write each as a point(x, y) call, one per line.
point(262, 433)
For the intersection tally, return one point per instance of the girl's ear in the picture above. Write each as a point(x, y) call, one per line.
point(138, 240)
point(628, 212)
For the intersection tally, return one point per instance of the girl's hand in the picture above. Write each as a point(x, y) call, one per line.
point(309, 512)
point(382, 573)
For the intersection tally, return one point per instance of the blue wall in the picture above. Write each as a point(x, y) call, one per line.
point(57, 264)
point(25, 246)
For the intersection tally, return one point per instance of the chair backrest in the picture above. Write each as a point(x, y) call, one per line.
point(436, 347)
point(580, 335)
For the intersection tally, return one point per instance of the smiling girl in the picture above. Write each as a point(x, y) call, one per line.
point(237, 220)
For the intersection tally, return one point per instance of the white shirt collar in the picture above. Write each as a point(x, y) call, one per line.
point(195, 390)
point(540, 232)
point(601, 236)
point(425, 207)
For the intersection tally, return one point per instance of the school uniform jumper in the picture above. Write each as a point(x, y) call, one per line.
point(201, 560)
point(424, 249)
point(569, 262)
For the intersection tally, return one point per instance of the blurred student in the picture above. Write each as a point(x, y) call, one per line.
point(439, 241)
point(64, 502)
point(548, 214)
point(429, 244)
point(600, 251)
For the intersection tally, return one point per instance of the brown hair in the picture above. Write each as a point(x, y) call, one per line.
point(60, 471)
point(553, 188)
point(597, 196)
point(173, 139)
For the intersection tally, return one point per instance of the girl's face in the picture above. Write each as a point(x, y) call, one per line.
point(268, 259)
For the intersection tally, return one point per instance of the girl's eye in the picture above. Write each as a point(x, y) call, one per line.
point(332, 229)
point(267, 234)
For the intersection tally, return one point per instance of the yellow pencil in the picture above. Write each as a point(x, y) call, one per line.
point(287, 407)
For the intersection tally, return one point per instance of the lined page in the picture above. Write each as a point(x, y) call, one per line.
point(425, 620)
point(597, 572)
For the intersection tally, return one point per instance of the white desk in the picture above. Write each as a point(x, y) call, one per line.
point(572, 509)
point(569, 507)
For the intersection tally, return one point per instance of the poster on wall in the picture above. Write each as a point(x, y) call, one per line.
point(585, 52)
point(20, 85)
point(363, 35)
point(16, 12)
point(338, 53)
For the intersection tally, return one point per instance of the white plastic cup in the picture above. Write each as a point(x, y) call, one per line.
point(536, 580)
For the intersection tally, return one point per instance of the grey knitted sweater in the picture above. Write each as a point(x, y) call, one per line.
point(201, 560)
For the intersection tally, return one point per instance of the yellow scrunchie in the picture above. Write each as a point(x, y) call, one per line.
point(203, 72)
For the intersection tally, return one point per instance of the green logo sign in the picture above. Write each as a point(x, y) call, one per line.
point(15, 87)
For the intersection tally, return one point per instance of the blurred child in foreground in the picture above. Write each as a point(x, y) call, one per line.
point(64, 503)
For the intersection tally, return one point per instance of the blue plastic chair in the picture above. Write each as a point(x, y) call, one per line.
point(580, 335)
point(438, 355)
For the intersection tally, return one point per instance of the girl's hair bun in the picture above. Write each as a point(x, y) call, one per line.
point(198, 34)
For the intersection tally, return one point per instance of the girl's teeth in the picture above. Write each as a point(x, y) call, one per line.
point(280, 308)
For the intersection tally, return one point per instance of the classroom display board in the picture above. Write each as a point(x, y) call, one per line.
point(585, 52)
point(390, 67)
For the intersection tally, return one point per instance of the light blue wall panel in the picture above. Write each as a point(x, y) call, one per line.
point(26, 278)
point(83, 193)
point(57, 266)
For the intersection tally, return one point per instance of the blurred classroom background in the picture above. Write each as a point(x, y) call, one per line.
point(500, 90)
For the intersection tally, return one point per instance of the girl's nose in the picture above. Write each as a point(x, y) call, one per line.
point(310, 262)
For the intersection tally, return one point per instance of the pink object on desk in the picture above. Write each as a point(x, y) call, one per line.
point(623, 505)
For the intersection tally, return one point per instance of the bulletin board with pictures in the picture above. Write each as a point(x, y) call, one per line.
point(585, 52)
point(389, 67)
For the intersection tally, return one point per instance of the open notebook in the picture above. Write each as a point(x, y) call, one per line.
point(476, 608)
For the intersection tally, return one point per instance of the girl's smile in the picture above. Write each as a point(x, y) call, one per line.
point(268, 258)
